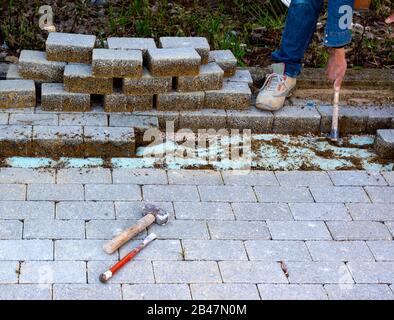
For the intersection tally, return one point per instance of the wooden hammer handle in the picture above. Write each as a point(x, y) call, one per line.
point(113, 245)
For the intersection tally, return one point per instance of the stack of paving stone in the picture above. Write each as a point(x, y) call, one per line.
point(131, 74)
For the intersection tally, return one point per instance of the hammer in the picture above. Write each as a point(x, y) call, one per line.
point(150, 214)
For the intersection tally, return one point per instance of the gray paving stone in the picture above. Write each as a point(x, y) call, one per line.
point(37, 119)
point(139, 176)
point(282, 194)
point(82, 250)
point(251, 272)
point(239, 230)
point(53, 272)
point(296, 119)
point(390, 226)
point(241, 75)
point(147, 84)
point(170, 193)
point(292, 292)
point(25, 292)
point(339, 194)
point(83, 119)
point(298, 230)
point(318, 272)
point(55, 192)
point(389, 176)
point(233, 96)
point(83, 176)
point(358, 230)
point(124, 43)
point(180, 101)
point(359, 292)
point(258, 121)
point(224, 291)
point(13, 72)
point(195, 177)
point(186, 272)
point(133, 210)
point(17, 94)
point(119, 102)
point(12, 192)
point(382, 250)
point(87, 292)
point(10, 229)
point(156, 292)
point(199, 43)
point(371, 211)
point(159, 250)
point(227, 193)
point(381, 194)
point(272, 250)
point(303, 178)
point(4, 118)
point(384, 143)
point(108, 229)
point(249, 178)
point(115, 192)
point(16, 140)
point(262, 211)
point(85, 210)
point(203, 211)
point(339, 251)
point(319, 211)
point(214, 250)
point(181, 229)
point(135, 272)
point(211, 120)
point(372, 272)
point(53, 229)
point(210, 78)
point(226, 60)
point(27, 209)
point(9, 271)
point(22, 250)
point(356, 178)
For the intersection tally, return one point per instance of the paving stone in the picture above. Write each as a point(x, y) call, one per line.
point(12, 192)
point(292, 292)
point(339, 251)
point(227, 193)
point(118, 102)
point(22, 250)
point(133, 210)
point(116, 192)
point(209, 78)
point(140, 124)
point(239, 230)
point(136, 272)
point(251, 272)
point(271, 250)
point(139, 176)
point(226, 60)
point(261, 211)
point(35, 65)
point(146, 85)
point(356, 178)
point(179, 101)
point(13, 72)
point(85, 210)
point(53, 229)
point(27, 209)
point(319, 211)
point(258, 121)
point(298, 230)
point(382, 250)
point(26, 175)
point(371, 211)
point(55, 192)
point(168, 119)
point(112, 63)
point(381, 194)
point(204, 119)
point(194, 177)
point(339, 194)
point(372, 272)
point(70, 47)
point(34, 119)
point(379, 118)
point(83, 176)
point(203, 211)
point(173, 62)
point(303, 178)
point(9, 272)
point(241, 75)
point(359, 292)
point(108, 229)
point(214, 250)
point(87, 292)
point(249, 177)
point(15, 140)
point(160, 250)
point(10, 229)
point(186, 272)
point(84, 119)
point(358, 230)
point(82, 250)
point(282, 194)
point(53, 272)
point(79, 78)
point(170, 193)
point(181, 229)
point(389, 176)
point(156, 292)
point(4, 118)
point(296, 119)
point(25, 292)
point(233, 95)
point(17, 94)
point(199, 43)
point(55, 98)
point(390, 226)
point(225, 291)
point(124, 43)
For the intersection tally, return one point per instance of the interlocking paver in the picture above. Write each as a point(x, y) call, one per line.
point(133, 210)
point(262, 211)
point(87, 292)
point(22, 176)
point(83, 176)
point(156, 292)
point(390, 226)
point(372, 272)
point(55, 192)
point(53, 229)
point(239, 230)
point(273, 250)
point(227, 193)
point(4, 118)
point(249, 178)
point(9, 271)
point(225, 291)
point(170, 193)
point(381, 194)
point(108, 229)
point(37, 119)
point(181, 229)
point(82, 250)
point(12, 192)
point(298, 230)
point(303, 178)
point(292, 292)
point(389, 176)
point(10, 229)
point(23, 250)
point(27, 209)
point(319, 211)
point(114, 192)
point(283, 194)
point(382, 250)
point(83, 119)
point(194, 177)
point(339, 251)
point(356, 178)
point(359, 292)
point(214, 250)
point(25, 292)
point(161, 250)
point(203, 211)
point(358, 230)
point(85, 210)
point(371, 211)
point(339, 194)
point(139, 176)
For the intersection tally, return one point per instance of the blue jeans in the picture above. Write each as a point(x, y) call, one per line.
point(301, 24)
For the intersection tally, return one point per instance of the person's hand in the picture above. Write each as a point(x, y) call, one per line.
point(390, 20)
point(336, 67)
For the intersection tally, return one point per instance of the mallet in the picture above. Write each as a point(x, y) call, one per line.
point(104, 277)
point(150, 214)
point(334, 135)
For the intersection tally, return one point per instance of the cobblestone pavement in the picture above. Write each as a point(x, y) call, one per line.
point(263, 235)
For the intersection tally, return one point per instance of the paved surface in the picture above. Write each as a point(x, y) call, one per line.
point(283, 235)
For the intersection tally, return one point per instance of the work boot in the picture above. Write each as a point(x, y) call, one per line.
point(276, 88)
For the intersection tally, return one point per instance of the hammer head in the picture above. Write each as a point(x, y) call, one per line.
point(161, 215)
